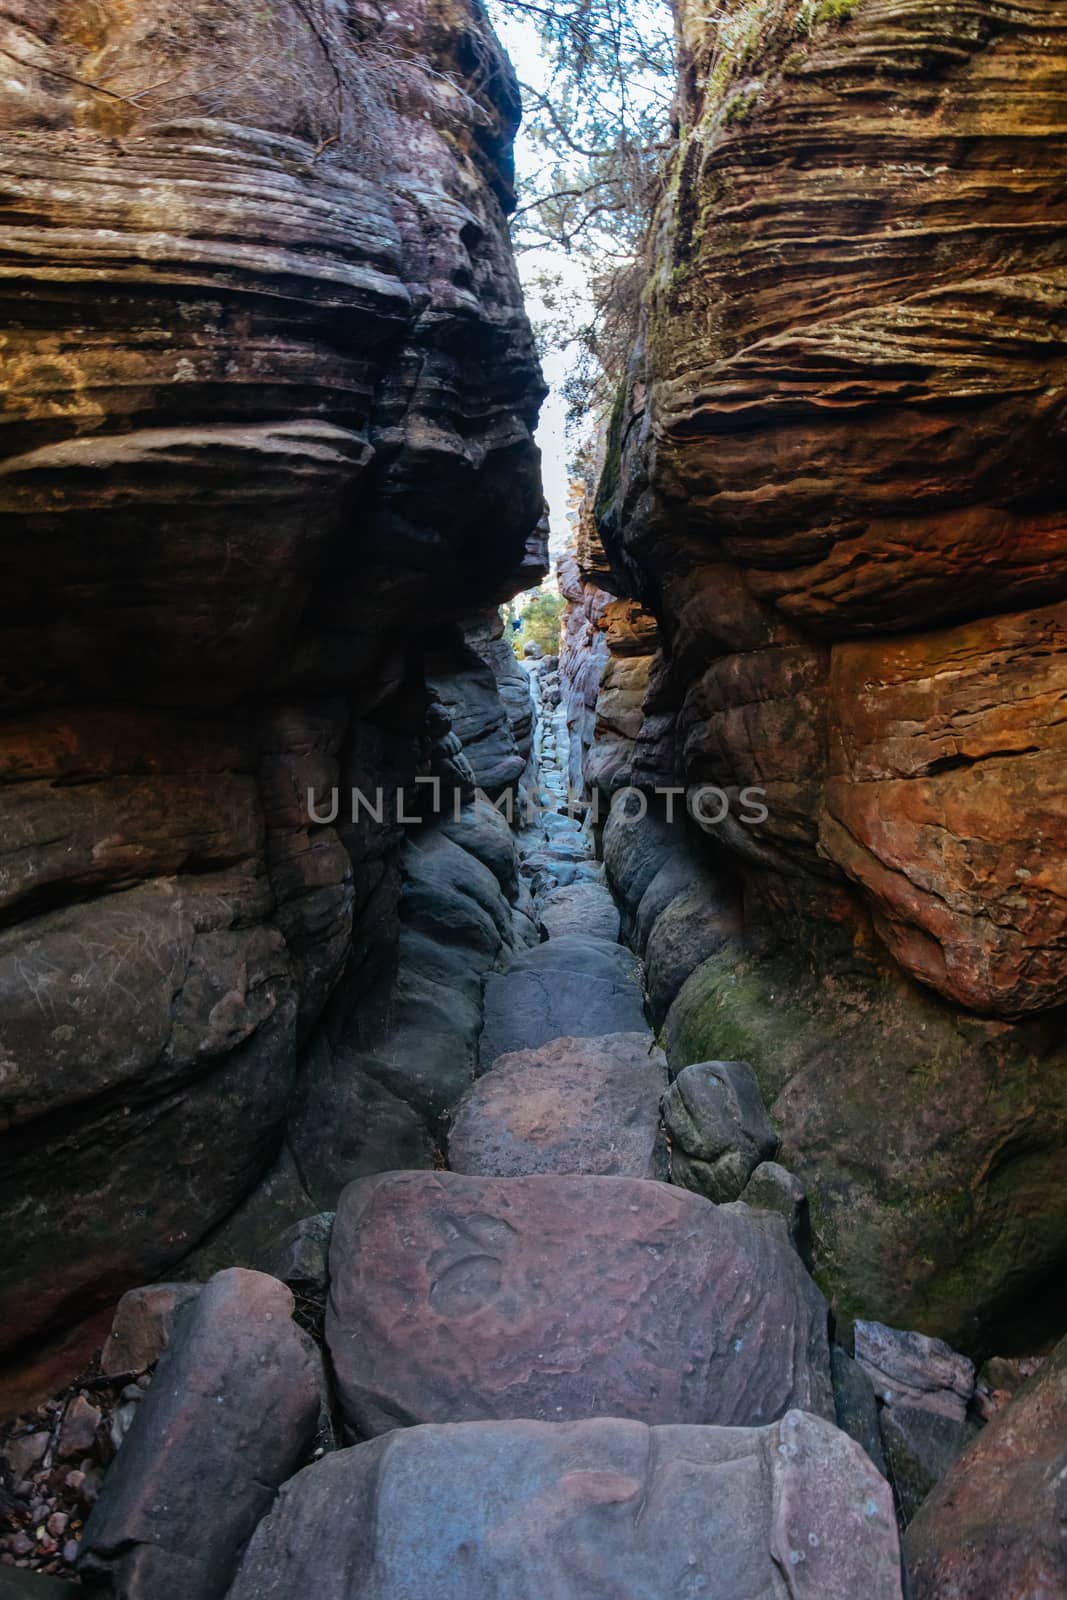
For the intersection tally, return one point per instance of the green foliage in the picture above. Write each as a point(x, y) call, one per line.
point(540, 618)
point(814, 12)
point(741, 106)
point(600, 127)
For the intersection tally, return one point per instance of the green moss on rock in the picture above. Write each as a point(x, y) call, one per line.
point(930, 1142)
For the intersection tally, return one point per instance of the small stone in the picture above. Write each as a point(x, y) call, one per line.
point(719, 1128)
point(22, 1545)
point(78, 1433)
point(89, 1491)
point(26, 1452)
point(144, 1321)
point(57, 1524)
point(74, 1480)
point(121, 1423)
point(70, 1552)
point(299, 1255)
point(133, 1392)
point(911, 1369)
point(772, 1188)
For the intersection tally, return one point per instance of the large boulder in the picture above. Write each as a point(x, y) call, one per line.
point(556, 1298)
point(930, 1145)
point(994, 1525)
point(520, 1510)
point(387, 1064)
point(572, 1105)
point(231, 1414)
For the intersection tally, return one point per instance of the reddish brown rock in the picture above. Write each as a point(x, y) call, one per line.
point(946, 803)
point(583, 1510)
point(571, 1106)
point(836, 475)
point(231, 1414)
point(144, 1322)
point(240, 476)
point(556, 1298)
point(78, 1432)
point(994, 1525)
point(608, 650)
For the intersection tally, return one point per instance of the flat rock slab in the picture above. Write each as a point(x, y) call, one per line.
point(572, 1105)
point(581, 908)
point(586, 1511)
point(911, 1369)
point(582, 988)
point(458, 1298)
point(144, 1321)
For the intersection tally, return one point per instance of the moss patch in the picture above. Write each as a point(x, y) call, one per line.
point(931, 1143)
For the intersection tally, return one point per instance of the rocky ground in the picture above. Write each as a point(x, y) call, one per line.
point(587, 1347)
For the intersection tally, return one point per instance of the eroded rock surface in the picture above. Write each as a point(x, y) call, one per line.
point(270, 398)
point(994, 1525)
point(581, 1509)
point(573, 1105)
point(570, 987)
point(556, 1298)
point(719, 1129)
point(835, 477)
point(231, 1414)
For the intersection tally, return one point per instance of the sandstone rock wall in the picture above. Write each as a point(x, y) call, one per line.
point(836, 477)
point(270, 391)
point(608, 655)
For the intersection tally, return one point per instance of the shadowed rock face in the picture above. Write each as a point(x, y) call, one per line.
point(270, 397)
point(994, 1525)
point(836, 477)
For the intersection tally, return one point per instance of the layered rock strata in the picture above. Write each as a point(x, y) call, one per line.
point(835, 476)
point(267, 442)
point(608, 654)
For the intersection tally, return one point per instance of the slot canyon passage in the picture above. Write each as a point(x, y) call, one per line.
point(629, 1159)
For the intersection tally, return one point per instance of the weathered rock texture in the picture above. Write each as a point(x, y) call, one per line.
point(230, 1415)
point(607, 655)
point(582, 1510)
point(555, 1298)
point(269, 398)
point(574, 1105)
point(994, 1525)
point(836, 477)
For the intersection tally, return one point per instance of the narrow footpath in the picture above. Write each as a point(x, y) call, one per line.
point(552, 1277)
point(563, 1375)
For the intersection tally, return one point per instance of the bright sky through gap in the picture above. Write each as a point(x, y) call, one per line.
point(519, 38)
